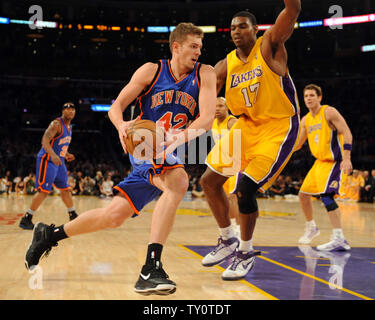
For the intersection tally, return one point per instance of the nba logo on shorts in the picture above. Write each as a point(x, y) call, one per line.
point(334, 184)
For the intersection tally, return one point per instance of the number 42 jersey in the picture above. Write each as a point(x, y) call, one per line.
point(168, 101)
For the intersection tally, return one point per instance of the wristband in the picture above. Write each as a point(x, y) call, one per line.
point(348, 146)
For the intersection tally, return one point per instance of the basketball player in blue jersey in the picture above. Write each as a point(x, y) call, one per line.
point(50, 165)
point(169, 92)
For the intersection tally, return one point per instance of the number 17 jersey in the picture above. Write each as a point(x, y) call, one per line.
point(254, 90)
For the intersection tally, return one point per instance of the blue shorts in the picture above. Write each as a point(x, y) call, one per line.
point(138, 188)
point(48, 174)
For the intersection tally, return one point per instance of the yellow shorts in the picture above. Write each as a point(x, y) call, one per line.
point(230, 185)
point(260, 151)
point(323, 177)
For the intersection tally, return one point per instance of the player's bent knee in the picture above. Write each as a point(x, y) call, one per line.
point(114, 219)
point(246, 194)
point(329, 202)
point(179, 182)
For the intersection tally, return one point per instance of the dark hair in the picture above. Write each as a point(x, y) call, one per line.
point(248, 15)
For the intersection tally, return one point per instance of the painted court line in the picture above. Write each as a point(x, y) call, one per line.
point(267, 295)
point(316, 278)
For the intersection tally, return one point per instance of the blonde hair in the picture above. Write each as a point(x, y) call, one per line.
point(314, 87)
point(182, 30)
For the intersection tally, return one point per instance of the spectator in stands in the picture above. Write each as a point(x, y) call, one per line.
point(98, 182)
point(366, 187)
point(87, 186)
point(197, 189)
point(78, 177)
point(372, 188)
point(278, 188)
point(30, 183)
point(73, 184)
point(8, 178)
point(106, 187)
point(3, 185)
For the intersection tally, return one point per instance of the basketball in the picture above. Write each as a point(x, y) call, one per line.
point(142, 139)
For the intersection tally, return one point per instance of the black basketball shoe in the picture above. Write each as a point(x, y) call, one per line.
point(72, 215)
point(26, 222)
point(154, 280)
point(40, 245)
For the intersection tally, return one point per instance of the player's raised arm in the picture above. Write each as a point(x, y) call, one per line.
point(283, 28)
point(139, 81)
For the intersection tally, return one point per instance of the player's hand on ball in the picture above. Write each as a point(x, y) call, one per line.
point(123, 126)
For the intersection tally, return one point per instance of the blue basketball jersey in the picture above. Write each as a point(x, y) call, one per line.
point(60, 143)
point(169, 101)
point(172, 103)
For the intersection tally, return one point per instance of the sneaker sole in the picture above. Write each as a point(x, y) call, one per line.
point(25, 227)
point(162, 290)
point(31, 242)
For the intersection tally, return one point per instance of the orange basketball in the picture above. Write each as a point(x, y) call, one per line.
point(142, 139)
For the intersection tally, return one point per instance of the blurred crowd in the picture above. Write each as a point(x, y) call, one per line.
point(357, 187)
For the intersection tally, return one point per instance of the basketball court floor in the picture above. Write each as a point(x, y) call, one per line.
point(105, 265)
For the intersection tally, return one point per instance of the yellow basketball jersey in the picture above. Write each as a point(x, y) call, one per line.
point(324, 143)
point(218, 130)
point(253, 89)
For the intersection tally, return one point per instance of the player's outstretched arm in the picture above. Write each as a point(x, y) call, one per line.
point(283, 28)
point(139, 81)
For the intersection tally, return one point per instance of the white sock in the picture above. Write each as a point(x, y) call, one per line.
point(71, 209)
point(311, 224)
point(29, 211)
point(246, 245)
point(338, 234)
point(237, 229)
point(226, 233)
point(233, 221)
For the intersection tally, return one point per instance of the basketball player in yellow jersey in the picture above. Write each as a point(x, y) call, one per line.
point(260, 91)
point(222, 124)
point(330, 142)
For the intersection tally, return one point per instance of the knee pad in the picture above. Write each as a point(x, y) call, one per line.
point(246, 194)
point(329, 202)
